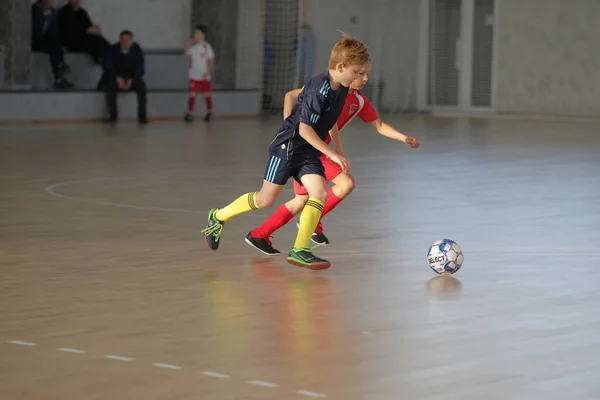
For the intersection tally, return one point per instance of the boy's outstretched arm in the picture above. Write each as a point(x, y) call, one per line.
point(336, 139)
point(288, 102)
point(309, 134)
point(388, 131)
point(188, 47)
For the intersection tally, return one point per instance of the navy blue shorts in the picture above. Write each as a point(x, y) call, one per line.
point(280, 169)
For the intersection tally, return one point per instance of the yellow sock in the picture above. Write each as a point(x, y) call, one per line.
point(244, 203)
point(308, 222)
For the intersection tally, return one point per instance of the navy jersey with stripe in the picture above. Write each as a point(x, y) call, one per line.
point(318, 106)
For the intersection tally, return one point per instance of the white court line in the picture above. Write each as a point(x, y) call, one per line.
point(311, 394)
point(263, 384)
point(119, 358)
point(174, 367)
point(51, 191)
point(167, 366)
point(21, 343)
point(68, 350)
point(513, 249)
point(215, 374)
point(365, 332)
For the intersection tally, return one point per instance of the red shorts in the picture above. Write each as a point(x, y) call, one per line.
point(200, 86)
point(332, 170)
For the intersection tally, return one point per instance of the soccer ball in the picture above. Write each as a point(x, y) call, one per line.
point(445, 257)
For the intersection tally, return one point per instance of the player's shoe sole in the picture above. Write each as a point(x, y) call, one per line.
point(304, 258)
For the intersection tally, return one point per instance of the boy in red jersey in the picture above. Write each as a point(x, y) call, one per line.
point(357, 104)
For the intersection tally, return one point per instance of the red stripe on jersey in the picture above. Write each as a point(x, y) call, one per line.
point(352, 107)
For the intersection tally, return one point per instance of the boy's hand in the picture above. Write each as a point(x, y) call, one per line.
point(412, 142)
point(121, 83)
point(341, 161)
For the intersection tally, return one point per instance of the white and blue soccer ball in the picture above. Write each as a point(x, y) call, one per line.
point(445, 257)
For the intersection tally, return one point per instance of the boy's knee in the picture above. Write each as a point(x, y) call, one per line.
point(296, 204)
point(265, 199)
point(344, 185)
point(320, 194)
point(347, 184)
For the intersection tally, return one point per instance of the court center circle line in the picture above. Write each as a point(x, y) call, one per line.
point(51, 190)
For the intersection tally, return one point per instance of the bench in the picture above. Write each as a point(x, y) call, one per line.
point(164, 70)
point(166, 78)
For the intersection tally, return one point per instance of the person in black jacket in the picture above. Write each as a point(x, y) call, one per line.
point(45, 38)
point(79, 34)
point(124, 68)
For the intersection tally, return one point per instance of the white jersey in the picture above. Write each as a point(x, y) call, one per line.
point(200, 53)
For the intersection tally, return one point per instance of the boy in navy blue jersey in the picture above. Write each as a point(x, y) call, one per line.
point(296, 152)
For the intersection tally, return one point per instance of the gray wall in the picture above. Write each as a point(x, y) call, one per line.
point(390, 29)
point(220, 17)
point(248, 66)
point(394, 40)
point(548, 56)
point(547, 51)
point(157, 24)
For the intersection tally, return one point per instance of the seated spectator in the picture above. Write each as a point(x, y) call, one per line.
point(77, 32)
point(45, 38)
point(124, 71)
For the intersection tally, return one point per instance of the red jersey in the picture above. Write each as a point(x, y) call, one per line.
point(356, 104)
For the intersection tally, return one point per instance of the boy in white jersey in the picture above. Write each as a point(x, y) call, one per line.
point(201, 60)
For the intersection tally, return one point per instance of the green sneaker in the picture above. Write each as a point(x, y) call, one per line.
point(305, 258)
point(212, 232)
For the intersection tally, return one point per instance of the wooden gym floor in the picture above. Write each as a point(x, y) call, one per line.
point(107, 290)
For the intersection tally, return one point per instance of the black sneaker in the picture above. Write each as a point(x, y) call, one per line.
point(188, 117)
point(263, 245)
point(212, 232)
point(63, 83)
point(63, 69)
point(305, 258)
point(316, 237)
point(208, 116)
point(319, 238)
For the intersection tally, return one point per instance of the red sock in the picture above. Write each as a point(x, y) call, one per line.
point(208, 101)
point(279, 218)
point(191, 104)
point(330, 204)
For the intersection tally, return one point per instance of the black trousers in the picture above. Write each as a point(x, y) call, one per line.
point(95, 45)
point(137, 85)
point(51, 45)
